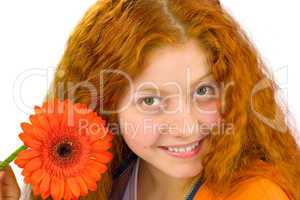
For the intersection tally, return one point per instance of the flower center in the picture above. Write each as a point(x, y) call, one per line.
point(64, 149)
point(64, 155)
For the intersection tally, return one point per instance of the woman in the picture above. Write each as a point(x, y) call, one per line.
point(203, 72)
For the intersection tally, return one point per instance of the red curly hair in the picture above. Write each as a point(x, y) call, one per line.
point(119, 34)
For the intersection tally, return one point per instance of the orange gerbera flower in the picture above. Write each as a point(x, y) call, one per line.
point(67, 150)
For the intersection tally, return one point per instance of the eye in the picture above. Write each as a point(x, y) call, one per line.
point(205, 91)
point(150, 101)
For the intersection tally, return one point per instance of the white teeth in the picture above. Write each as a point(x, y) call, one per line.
point(183, 149)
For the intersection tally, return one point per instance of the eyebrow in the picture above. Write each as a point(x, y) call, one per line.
point(197, 81)
point(193, 85)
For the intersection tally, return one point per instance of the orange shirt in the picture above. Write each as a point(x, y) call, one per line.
point(259, 188)
point(261, 182)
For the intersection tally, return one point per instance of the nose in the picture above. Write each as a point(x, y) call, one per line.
point(181, 124)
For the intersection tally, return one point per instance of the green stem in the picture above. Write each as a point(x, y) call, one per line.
point(11, 157)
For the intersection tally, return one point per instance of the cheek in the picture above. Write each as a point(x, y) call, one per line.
point(209, 112)
point(139, 133)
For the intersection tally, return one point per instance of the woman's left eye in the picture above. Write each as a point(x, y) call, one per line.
point(206, 90)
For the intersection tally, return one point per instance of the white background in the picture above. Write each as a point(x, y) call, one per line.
point(33, 34)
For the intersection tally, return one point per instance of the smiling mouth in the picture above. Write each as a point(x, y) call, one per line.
point(184, 151)
point(184, 146)
point(181, 145)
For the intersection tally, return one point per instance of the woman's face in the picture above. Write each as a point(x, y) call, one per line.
point(174, 102)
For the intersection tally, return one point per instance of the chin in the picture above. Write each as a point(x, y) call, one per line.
point(184, 172)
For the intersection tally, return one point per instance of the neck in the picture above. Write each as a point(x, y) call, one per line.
point(157, 182)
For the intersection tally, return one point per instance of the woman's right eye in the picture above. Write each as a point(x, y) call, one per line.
point(151, 104)
point(150, 101)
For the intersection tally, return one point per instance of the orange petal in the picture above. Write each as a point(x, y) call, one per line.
point(74, 186)
point(26, 127)
point(54, 121)
point(45, 183)
point(101, 146)
point(93, 174)
point(109, 136)
point(51, 106)
point(82, 185)
point(40, 133)
point(28, 154)
point(57, 188)
point(38, 110)
point(34, 131)
point(45, 194)
point(97, 129)
point(103, 136)
point(21, 162)
point(61, 182)
point(30, 141)
point(96, 165)
point(103, 157)
point(91, 184)
point(26, 173)
point(40, 121)
point(54, 107)
point(67, 192)
point(37, 176)
point(33, 164)
point(35, 190)
point(27, 179)
point(82, 108)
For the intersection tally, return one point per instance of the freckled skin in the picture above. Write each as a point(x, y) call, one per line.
point(173, 69)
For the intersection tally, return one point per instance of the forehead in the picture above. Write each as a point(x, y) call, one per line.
point(180, 65)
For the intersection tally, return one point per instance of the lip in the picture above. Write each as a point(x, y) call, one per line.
point(184, 155)
point(182, 145)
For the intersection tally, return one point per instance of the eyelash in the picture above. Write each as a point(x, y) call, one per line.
point(207, 86)
point(142, 99)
